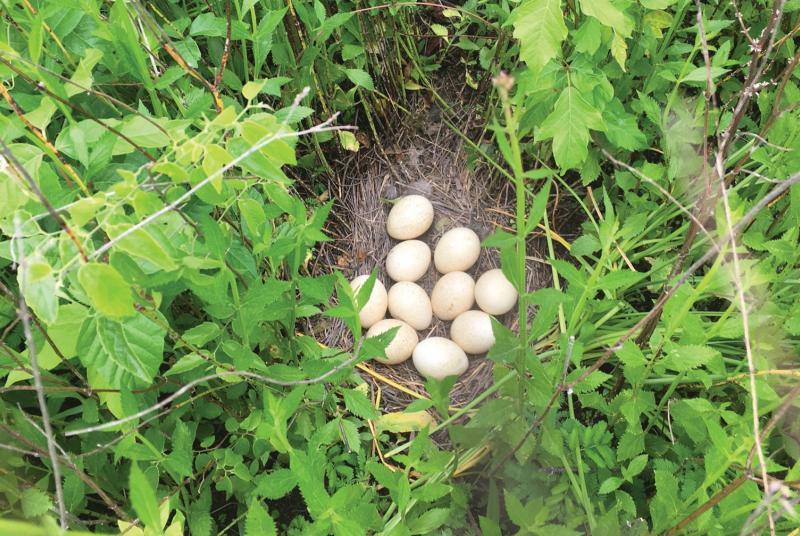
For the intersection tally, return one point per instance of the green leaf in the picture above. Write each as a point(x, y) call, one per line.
point(636, 466)
point(429, 521)
point(685, 358)
point(122, 352)
point(40, 290)
point(275, 484)
point(360, 78)
point(539, 26)
point(143, 245)
point(610, 484)
point(657, 4)
point(569, 125)
point(609, 15)
point(700, 74)
point(35, 503)
point(108, 292)
point(143, 499)
point(258, 521)
point(35, 39)
point(358, 404)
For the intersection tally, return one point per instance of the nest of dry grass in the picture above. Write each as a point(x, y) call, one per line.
point(420, 156)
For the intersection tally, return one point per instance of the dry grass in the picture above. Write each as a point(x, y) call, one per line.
point(420, 156)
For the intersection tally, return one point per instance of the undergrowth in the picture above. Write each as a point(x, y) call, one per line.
point(163, 190)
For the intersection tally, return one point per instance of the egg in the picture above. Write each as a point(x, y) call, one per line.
point(472, 332)
point(410, 303)
point(375, 308)
point(438, 357)
point(410, 216)
point(453, 294)
point(403, 343)
point(494, 293)
point(408, 260)
point(457, 250)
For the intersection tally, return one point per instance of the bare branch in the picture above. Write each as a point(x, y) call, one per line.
point(24, 316)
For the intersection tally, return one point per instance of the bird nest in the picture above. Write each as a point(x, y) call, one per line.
point(422, 156)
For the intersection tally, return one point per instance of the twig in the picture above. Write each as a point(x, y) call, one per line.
point(244, 374)
point(709, 504)
point(24, 316)
point(226, 49)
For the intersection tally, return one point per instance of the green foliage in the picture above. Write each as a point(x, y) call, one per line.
point(174, 149)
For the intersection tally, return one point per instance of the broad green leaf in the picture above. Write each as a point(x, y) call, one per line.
point(258, 521)
point(275, 484)
point(141, 244)
point(123, 352)
point(39, 290)
point(143, 498)
point(700, 74)
point(569, 124)
point(215, 159)
point(360, 78)
point(610, 15)
point(348, 141)
point(619, 50)
point(539, 26)
point(35, 503)
point(688, 357)
point(657, 4)
point(108, 292)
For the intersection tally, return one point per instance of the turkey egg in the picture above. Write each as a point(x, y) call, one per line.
point(403, 343)
point(453, 294)
point(438, 357)
point(409, 302)
point(472, 331)
point(410, 216)
point(375, 308)
point(457, 250)
point(408, 260)
point(494, 293)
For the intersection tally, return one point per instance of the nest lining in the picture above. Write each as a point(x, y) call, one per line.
point(420, 156)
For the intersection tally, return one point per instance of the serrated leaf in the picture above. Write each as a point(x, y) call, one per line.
point(428, 521)
point(569, 125)
point(310, 480)
point(358, 404)
point(143, 499)
point(141, 244)
point(258, 521)
point(35, 502)
point(360, 78)
point(688, 357)
point(108, 292)
point(275, 484)
point(539, 26)
point(125, 352)
point(636, 466)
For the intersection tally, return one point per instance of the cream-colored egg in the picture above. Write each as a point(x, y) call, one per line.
point(453, 294)
point(410, 303)
point(403, 343)
point(472, 331)
point(494, 293)
point(375, 308)
point(408, 260)
point(410, 216)
point(457, 250)
point(438, 357)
